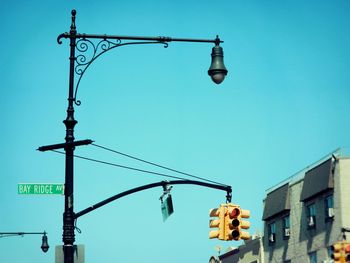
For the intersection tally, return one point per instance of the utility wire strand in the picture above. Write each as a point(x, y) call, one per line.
point(123, 166)
point(157, 165)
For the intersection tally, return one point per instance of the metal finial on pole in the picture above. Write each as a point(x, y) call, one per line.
point(73, 27)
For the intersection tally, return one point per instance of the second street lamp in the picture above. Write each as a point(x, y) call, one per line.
point(44, 245)
point(80, 61)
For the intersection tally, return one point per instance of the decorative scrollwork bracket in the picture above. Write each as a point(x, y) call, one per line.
point(87, 51)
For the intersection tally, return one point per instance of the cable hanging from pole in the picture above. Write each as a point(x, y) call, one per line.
point(122, 166)
point(154, 164)
point(140, 170)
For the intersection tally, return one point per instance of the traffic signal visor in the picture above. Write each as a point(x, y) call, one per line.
point(218, 222)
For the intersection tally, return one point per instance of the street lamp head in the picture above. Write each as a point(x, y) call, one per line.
point(217, 70)
point(44, 245)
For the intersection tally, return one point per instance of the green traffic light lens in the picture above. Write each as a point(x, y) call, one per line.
point(235, 234)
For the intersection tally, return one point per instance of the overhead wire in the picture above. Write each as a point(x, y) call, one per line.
point(123, 166)
point(155, 164)
point(141, 170)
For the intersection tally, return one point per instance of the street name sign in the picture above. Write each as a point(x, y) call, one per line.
point(41, 189)
point(167, 207)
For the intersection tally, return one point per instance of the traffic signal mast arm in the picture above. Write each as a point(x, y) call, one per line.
point(226, 188)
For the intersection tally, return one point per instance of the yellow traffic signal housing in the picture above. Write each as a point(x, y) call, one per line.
point(219, 222)
point(338, 252)
point(229, 223)
point(234, 223)
point(347, 251)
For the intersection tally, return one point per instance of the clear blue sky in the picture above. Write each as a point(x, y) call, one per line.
point(283, 105)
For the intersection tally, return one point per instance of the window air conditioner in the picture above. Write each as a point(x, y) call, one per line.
point(286, 232)
point(330, 212)
point(311, 221)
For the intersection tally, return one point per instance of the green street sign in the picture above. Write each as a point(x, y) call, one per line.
point(41, 189)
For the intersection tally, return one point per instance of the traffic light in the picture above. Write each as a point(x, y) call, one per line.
point(234, 223)
point(229, 223)
point(337, 252)
point(347, 252)
point(219, 222)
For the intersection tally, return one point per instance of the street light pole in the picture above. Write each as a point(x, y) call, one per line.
point(78, 65)
point(70, 122)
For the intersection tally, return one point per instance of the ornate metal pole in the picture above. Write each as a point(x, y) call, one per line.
point(78, 65)
point(70, 122)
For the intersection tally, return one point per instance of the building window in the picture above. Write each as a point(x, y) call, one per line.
point(311, 216)
point(286, 227)
point(271, 232)
point(329, 208)
point(313, 257)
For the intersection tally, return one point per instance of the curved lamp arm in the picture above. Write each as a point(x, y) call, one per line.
point(89, 50)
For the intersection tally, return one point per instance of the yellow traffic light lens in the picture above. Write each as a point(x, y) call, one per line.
point(235, 223)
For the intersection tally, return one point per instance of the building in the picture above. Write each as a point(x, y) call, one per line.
point(214, 260)
point(249, 252)
point(304, 215)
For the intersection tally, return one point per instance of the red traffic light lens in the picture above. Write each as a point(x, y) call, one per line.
point(347, 248)
point(235, 212)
